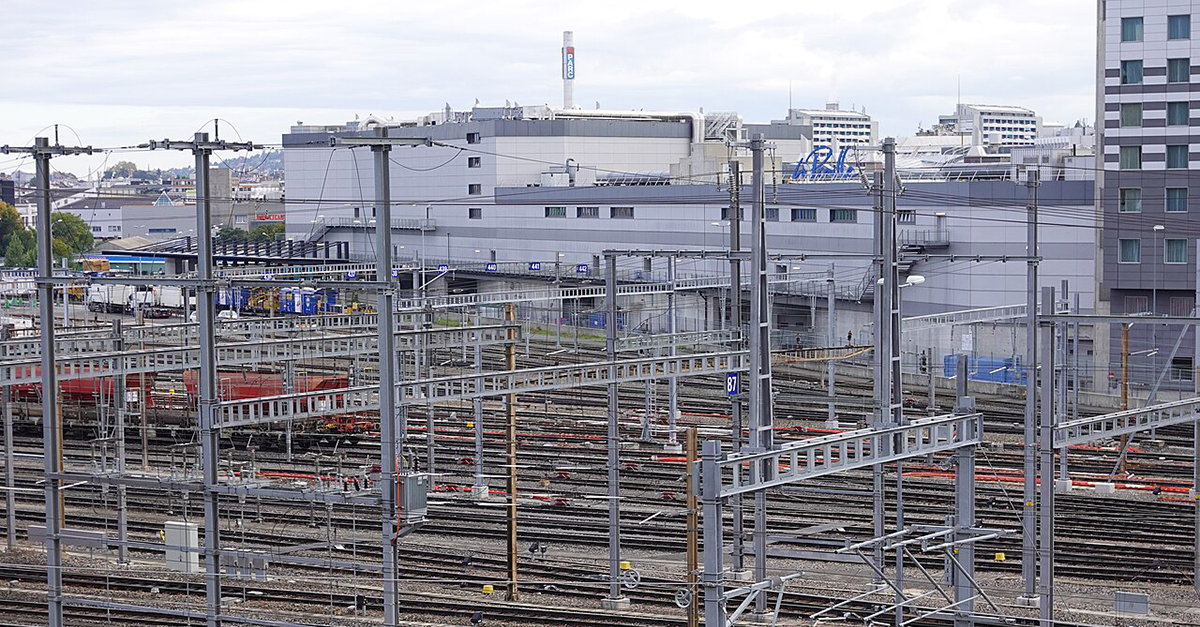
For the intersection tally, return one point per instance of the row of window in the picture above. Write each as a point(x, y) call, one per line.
point(1179, 306)
point(1131, 157)
point(1177, 114)
point(1131, 200)
point(1178, 71)
point(1175, 251)
point(1178, 27)
point(616, 213)
point(801, 214)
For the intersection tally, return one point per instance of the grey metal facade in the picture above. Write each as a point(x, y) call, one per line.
point(1151, 37)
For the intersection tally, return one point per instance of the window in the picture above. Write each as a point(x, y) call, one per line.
point(1131, 114)
point(1182, 305)
point(356, 212)
point(239, 219)
point(1131, 200)
point(1176, 251)
point(160, 231)
point(474, 162)
point(1177, 200)
point(621, 213)
point(843, 215)
point(1131, 72)
point(726, 212)
point(474, 189)
point(1131, 29)
point(906, 216)
point(1181, 369)
point(1129, 250)
point(1177, 113)
point(475, 213)
point(1177, 157)
point(96, 229)
point(1136, 304)
point(1179, 27)
point(587, 212)
point(804, 215)
point(1178, 70)
point(472, 138)
point(115, 229)
point(556, 212)
point(1131, 157)
point(772, 214)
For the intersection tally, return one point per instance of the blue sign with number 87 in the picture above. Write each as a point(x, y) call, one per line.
point(731, 384)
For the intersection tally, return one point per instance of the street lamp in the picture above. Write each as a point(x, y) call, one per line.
point(1158, 229)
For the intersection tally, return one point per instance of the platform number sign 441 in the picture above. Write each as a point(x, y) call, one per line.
point(731, 384)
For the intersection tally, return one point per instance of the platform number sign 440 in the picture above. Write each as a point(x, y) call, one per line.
point(731, 384)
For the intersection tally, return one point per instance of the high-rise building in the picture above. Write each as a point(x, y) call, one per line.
point(1148, 93)
point(994, 125)
point(833, 126)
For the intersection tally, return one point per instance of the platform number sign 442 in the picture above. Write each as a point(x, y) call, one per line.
point(731, 384)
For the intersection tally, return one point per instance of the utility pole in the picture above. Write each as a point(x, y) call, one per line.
point(119, 434)
point(761, 415)
point(1196, 441)
point(738, 570)
point(964, 508)
point(880, 417)
point(42, 152)
point(209, 434)
point(1124, 391)
point(614, 600)
point(831, 420)
point(1029, 512)
point(893, 407)
point(10, 502)
point(673, 381)
point(392, 414)
point(1046, 528)
point(693, 532)
point(510, 411)
point(481, 487)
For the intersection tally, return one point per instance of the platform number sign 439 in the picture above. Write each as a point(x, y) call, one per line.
point(731, 384)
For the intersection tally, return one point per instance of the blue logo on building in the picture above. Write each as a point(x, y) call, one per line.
point(817, 165)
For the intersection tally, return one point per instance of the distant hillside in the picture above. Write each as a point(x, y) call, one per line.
point(258, 162)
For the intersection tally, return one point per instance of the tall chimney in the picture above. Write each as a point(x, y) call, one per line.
point(568, 69)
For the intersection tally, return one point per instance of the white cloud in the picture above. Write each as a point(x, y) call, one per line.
point(121, 72)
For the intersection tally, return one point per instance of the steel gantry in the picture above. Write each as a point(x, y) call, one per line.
point(728, 475)
point(42, 152)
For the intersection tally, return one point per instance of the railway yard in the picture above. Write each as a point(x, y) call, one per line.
point(323, 556)
point(428, 457)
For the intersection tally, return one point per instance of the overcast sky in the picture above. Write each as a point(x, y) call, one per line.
point(119, 73)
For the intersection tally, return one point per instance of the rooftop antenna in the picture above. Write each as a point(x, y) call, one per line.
point(957, 108)
point(789, 95)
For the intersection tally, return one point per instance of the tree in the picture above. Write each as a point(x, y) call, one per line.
point(21, 250)
point(232, 234)
point(122, 169)
point(266, 232)
point(10, 223)
point(74, 233)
